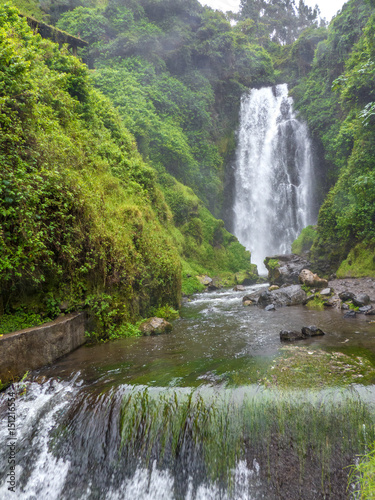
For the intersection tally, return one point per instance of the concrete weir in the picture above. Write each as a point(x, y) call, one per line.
point(33, 348)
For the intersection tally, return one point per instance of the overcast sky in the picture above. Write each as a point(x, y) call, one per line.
point(328, 8)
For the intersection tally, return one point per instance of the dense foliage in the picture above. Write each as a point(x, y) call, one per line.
point(337, 100)
point(82, 218)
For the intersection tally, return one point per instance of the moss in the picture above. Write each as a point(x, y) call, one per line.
point(305, 240)
point(306, 367)
point(273, 264)
point(360, 262)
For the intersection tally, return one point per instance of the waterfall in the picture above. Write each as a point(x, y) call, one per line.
point(273, 176)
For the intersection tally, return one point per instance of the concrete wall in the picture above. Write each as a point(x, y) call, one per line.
point(33, 348)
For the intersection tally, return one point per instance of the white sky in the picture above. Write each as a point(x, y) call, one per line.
point(328, 8)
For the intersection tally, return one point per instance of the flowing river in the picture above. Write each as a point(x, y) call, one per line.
point(217, 409)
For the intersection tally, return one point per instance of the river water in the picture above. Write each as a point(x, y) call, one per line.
point(201, 413)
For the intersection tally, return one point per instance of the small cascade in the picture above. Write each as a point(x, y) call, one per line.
point(274, 176)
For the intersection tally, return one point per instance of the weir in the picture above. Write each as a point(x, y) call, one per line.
point(274, 182)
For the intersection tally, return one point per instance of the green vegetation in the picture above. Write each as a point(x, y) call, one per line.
point(273, 263)
point(20, 320)
point(363, 476)
point(304, 241)
point(84, 220)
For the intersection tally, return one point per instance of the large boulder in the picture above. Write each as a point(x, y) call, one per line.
point(285, 269)
point(308, 278)
point(155, 326)
point(292, 295)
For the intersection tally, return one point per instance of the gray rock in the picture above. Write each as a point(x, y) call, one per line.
point(290, 335)
point(271, 307)
point(365, 309)
point(350, 314)
point(289, 296)
point(288, 269)
point(239, 288)
point(344, 306)
point(305, 333)
point(155, 326)
point(326, 291)
point(371, 312)
point(346, 295)
point(312, 331)
point(361, 300)
point(204, 280)
point(309, 298)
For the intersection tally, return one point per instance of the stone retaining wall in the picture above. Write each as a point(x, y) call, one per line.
point(33, 348)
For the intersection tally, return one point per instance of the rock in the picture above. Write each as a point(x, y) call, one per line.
point(326, 291)
point(204, 280)
point(248, 303)
point(371, 312)
point(292, 295)
point(308, 278)
point(309, 299)
point(239, 288)
point(365, 309)
point(350, 314)
point(271, 307)
point(213, 287)
point(155, 326)
point(344, 307)
point(287, 269)
point(346, 295)
point(333, 302)
point(273, 288)
point(312, 331)
point(361, 300)
point(305, 333)
point(290, 335)
point(265, 298)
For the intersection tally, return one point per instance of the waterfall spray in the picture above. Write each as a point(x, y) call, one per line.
point(274, 177)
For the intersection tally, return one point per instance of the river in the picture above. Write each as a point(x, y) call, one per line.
point(217, 409)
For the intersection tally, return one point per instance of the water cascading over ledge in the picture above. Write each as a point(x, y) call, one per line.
point(274, 181)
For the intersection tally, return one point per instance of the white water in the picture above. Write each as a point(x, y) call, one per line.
point(274, 177)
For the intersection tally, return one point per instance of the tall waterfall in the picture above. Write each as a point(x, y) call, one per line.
point(273, 177)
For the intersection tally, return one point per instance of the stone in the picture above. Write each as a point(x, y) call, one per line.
point(305, 333)
point(239, 288)
point(248, 303)
point(344, 307)
point(291, 295)
point(308, 278)
point(273, 288)
point(204, 280)
point(361, 300)
point(312, 331)
point(271, 307)
point(371, 312)
point(326, 291)
point(155, 326)
point(365, 309)
point(346, 295)
point(333, 302)
point(288, 269)
point(290, 335)
point(350, 314)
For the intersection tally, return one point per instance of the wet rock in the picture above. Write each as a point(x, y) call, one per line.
point(333, 302)
point(346, 295)
point(309, 299)
point(344, 307)
point(312, 331)
point(361, 300)
point(273, 288)
point(305, 333)
point(350, 314)
point(308, 278)
point(326, 291)
point(271, 307)
point(287, 269)
point(239, 288)
point(371, 312)
point(213, 287)
point(290, 335)
point(248, 303)
point(204, 280)
point(289, 296)
point(155, 326)
point(365, 309)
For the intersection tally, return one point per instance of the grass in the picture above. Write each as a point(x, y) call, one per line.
point(18, 321)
